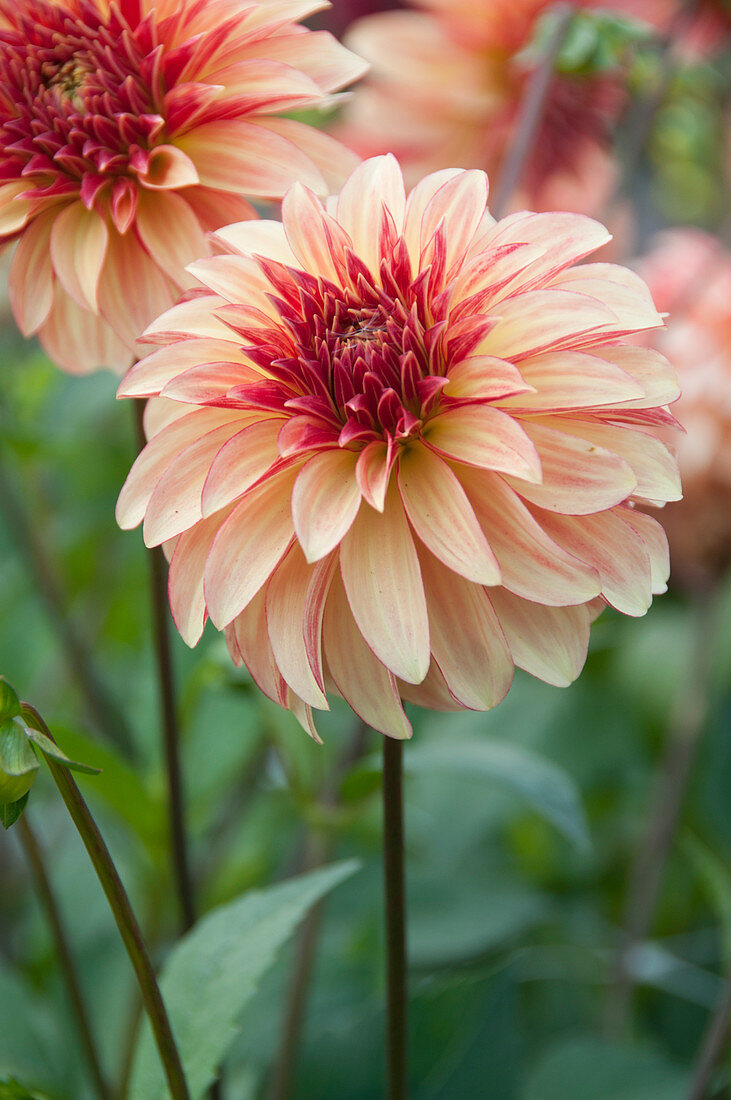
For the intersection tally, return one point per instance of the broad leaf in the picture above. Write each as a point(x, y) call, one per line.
point(584, 1067)
point(9, 701)
point(546, 787)
point(214, 971)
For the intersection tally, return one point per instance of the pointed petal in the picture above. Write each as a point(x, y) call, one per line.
point(195, 317)
point(365, 684)
point(258, 238)
point(460, 203)
point(248, 547)
point(240, 463)
point(483, 436)
point(542, 320)
point(564, 238)
point(171, 233)
point(485, 378)
point(548, 642)
point(150, 375)
point(132, 288)
point(442, 516)
point(250, 628)
point(375, 184)
point(333, 160)
point(316, 239)
point(655, 539)
point(532, 564)
point(286, 598)
point(466, 639)
point(419, 198)
point(30, 283)
point(372, 472)
point(79, 241)
point(382, 579)
point(572, 380)
point(325, 501)
point(185, 581)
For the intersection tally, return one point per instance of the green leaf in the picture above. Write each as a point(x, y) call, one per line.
point(11, 811)
point(10, 1089)
point(546, 787)
point(9, 701)
point(49, 748)
point(214, 971)
point(18, 762)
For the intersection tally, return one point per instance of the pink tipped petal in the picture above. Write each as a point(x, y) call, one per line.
point(655, 539)
point(380, 178)
point(168, 168)
point(248, 547)
point(237, 156)
point(617, 552)
point(651, 371)
point(258, 238)
point(365, 684)
point(185, 583)
point(419, 198)
point(327, 62)
point(573, 380)
point(235, 278)
point(466, 638)
point(175, 504)
point(194, 317)
point(171, 233)
point(372, 472)
point(303, 714)
point(548, 642)
point(532, 564)
point(80, 341)
point(286, 603)
point(322, 574)
point(578, 476)
point(239, 464)
point(442, 516)
point(381, 575)
point(483, 436)
point(564, 238)
point(333, 160)
point(30, 283)
point(325, 502)
point(432, 692)
point(79, 241)
point(542, 320)
point(485, 378)
point(250, 628)
point(315, 238)
point(624, 292)
point(209, 383)
point(151, 374)
point(460, 204)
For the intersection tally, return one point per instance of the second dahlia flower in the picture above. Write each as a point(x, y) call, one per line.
point(400, 446)
point(130, 129)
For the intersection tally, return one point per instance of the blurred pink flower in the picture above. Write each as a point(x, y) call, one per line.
point(445, 88)
point(400, 446)
point(128, 131)
point(689, 273)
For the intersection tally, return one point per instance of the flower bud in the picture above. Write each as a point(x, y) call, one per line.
point(18, 762)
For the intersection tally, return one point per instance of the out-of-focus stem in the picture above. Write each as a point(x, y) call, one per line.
point(123, 914)
point(395, 891)
point(34, 855)
point(675, 769)
point(317, 850)
point(532, 109)
point(168, 716)
point(712, 1047)
point(102, 710)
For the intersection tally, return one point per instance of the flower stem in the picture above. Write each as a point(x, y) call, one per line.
point(532, 109)
point(101, 708)
point(168, 716)
point(34, 855)
point(712, 1047)
point(395, 896)
point(121, 908)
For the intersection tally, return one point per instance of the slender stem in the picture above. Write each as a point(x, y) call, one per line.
point(712, 1047)
point(647, 871)
point(101, 707)
point(168, 717)
point(316, 851)
point(393, 863)
point(121, 908)
point(532, 110)
point(34, 855)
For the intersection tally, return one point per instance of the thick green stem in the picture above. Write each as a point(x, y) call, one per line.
point(395, 896)
point(34, 855)
point(123, 914)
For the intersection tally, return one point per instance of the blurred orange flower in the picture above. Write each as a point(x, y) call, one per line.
point(131, 128)
point(401, 446)
point(690, 275)
point(446, 86)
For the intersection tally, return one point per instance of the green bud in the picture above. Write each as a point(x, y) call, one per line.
point(18, 762)
point(9, 701)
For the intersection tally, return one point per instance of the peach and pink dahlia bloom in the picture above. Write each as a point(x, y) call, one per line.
point(446, 85)
point(131, 128)
point(689, 272)
point(399, 446)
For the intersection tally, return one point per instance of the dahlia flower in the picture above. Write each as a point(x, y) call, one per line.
point(129, 129)
point(446, 86)
point(689, 273)
point(399, 446)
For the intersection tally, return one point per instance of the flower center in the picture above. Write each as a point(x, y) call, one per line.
point(69, 80)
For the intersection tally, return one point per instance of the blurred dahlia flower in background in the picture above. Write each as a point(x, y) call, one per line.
point(446, 86)
point(402, 445)
point(689, 273)
point(128, 130)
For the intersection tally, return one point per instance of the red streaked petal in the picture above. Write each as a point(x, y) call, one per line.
point(250, 629)
point(239, 464)
point(485, 378)
point(185, 581)
point(544, 320)
point(380, 178)
point(372, 472)
point(482, 436)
